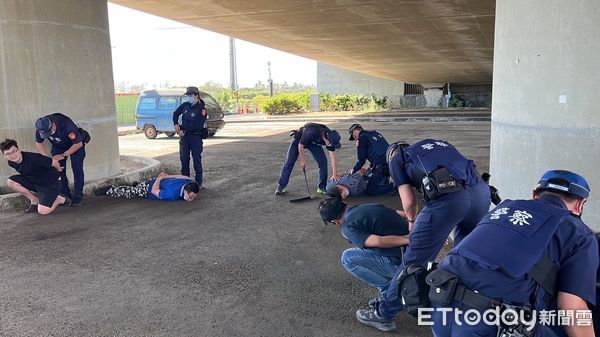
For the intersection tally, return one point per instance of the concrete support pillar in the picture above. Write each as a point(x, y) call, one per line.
point(545, 105)
point(55, 56)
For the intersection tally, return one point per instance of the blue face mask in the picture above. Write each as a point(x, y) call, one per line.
point(190, 99)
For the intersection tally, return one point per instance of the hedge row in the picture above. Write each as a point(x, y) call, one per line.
point(283, 104)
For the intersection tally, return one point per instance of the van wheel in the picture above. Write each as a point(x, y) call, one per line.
point(170, 134)
point(150, 132)
point(211, 133)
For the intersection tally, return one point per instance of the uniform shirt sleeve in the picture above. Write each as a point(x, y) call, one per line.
point(203, 112)
point(307, 136)
point(177, 113)
point(361, 153)
point(38, 138)
point(398, 171)
point(71, 131)
point(577, 275)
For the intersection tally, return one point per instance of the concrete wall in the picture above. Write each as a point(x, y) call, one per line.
point(340, 81)
point(55, 56)
point(545, 106)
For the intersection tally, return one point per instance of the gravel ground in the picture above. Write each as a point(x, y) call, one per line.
point(239, 261)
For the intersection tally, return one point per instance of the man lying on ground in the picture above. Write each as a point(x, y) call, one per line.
point(163, 187)
point(357, 183)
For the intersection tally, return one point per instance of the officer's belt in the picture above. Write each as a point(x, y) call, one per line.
point(475, 300)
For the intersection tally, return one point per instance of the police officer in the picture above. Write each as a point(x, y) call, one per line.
point(521, 254)
point(66, 142)
point(371, 146)
point(191, 130)
point(378, 234)
point(313, 137)
point(455, 198)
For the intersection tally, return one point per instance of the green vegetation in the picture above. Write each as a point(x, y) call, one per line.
point(282, 104)
point(125, 105)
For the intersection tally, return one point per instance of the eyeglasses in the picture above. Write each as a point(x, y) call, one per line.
point(10, 153)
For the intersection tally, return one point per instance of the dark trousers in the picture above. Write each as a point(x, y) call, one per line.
point(191, 144)
point(462, 210)
point(77, 168)
point(292, 155)
point(379, 183)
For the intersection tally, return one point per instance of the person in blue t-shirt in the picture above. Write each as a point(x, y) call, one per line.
point(163, 187)
point(378, 234)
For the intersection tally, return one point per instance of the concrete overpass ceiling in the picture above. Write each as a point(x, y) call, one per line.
point(407, 40)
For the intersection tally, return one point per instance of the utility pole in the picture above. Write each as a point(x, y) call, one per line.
point(270, 79)
point(232, 65)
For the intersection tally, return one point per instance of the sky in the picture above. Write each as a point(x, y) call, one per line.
point(153, 50)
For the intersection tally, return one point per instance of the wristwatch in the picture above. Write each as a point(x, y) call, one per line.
point(65, 155)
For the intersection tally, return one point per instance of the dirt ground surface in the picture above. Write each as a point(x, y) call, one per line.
point(238, 261)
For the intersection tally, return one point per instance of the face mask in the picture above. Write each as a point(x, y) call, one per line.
point(191, 99)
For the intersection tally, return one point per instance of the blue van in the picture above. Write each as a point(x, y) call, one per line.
point(154, 112)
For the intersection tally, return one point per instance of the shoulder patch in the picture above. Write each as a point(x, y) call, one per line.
point(203, 112)
point(72, 136)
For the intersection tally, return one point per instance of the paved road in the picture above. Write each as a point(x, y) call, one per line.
point(237, 262)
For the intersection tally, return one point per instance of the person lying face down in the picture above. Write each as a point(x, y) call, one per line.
point(163, 187)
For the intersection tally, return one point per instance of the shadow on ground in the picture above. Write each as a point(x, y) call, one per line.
point(237, 262)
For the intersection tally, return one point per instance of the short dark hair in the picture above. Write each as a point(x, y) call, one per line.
point(7, 144)
point(192, 187)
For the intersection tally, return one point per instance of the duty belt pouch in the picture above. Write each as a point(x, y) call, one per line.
point(85, 136)
point(204, 133)
point(442, 286)
point(413, 289)
point(439, 182)
point(296, 134)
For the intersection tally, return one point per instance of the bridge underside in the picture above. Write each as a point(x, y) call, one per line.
point(410, 41)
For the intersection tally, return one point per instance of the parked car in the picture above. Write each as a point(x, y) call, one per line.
point(154, 112)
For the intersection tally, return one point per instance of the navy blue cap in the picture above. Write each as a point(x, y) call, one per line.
point(352, 128)
point(577, 185)
point(43, 126)
point(393, 149)
point(192, 91)
point(334, 137)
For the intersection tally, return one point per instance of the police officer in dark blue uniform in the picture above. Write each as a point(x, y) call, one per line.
point(313, 137)
point(455, 198)
point(191, 130)
point(523, 255)
point(372, 146)
point(66, 142)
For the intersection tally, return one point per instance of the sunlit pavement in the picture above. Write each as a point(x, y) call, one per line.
point(238, 261)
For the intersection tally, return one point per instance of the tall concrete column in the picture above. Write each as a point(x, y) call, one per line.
point(55, 56)
point(545, 95)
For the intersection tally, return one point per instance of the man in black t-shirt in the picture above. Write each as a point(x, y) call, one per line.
point(37, 173)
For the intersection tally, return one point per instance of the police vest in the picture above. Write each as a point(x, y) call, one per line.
point(429, 155)
point(377, 147)
point(513, 237)
point(193, 118)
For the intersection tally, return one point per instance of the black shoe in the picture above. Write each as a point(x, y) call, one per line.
point(67, 202)
point(371, 318)
point(31, 209)
point(102, 190)
point(133, 184)
point(280, 190)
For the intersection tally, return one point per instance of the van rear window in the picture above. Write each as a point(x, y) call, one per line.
point(170, 103)
point(147, 103)
point(210, 102)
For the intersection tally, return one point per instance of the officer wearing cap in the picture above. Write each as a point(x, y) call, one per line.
point(313, 137)
point(536, 252)
point(377, 233)
point(455, 198)
point(66, 142)
point(371, 146)
point(191, 130)
point(521, 257)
